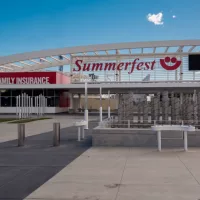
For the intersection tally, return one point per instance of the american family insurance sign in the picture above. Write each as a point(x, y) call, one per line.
point(27, 78)
point(168, 63)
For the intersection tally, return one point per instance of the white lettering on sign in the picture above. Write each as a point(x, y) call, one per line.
point(32, 80)
point(25, 80)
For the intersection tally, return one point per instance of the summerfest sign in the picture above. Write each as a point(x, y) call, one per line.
point(167, 63)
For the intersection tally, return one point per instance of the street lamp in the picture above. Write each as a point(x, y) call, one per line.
point(100, 109)
point(108, 103)
point(86, 105)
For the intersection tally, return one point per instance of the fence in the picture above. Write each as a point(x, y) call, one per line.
point(26, 105)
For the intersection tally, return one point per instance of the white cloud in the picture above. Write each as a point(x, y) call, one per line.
point(157, 19)
point(174, 16)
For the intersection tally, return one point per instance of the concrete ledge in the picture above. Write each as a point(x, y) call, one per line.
point(141, 138)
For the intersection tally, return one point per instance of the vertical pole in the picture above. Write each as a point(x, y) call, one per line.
point(159, 140)
point(165, 107)
point(40, 105)
point(26, 105)
point(79, 133)
point(56, 134)
point(173, 109)
point(17, 100)
point(145, 112)
point(19, 107)
point(43, 105)
point(83, 132)
point(29, 111)
point(86, 106)
point(22, 106)
point(31, 105)
point(37, 106)
point(108, 103)
point(79, 101)
point(71, 68)
point(26, 97)
point(100, 109)
point(46, 105)
point(185, 141)
point(195, 108)
point(129, 124)
point(181, 67)
point(21, 134)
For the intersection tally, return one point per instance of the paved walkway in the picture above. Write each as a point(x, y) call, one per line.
point(126, 174)
point(74, 171)
point(24, 169)
point(9, 131)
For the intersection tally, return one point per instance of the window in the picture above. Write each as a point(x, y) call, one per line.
point(5, 101)
point(57, 101)
point(5, 92)
point(58, 93)
point(49, 92)
point(50, 102)
point(13, 101)
point(38, 92)
point(16, 92)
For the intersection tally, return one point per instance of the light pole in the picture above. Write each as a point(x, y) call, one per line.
point(100, 109)
point(108, 103)
point(86, 105)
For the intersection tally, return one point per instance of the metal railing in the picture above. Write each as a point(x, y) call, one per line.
point(139, 82)
point(116, 123)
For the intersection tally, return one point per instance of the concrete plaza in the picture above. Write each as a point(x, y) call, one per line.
point(126, 174)
point(77, 171)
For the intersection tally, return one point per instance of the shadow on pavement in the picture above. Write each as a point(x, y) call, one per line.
point(24, 169)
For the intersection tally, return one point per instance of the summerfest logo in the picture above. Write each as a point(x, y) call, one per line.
point(167, 63)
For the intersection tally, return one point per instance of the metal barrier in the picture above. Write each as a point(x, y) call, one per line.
point(56, 134)
point(21, 134)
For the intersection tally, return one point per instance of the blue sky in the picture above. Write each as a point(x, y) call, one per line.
point(47, 24)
